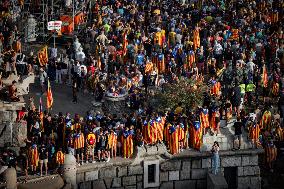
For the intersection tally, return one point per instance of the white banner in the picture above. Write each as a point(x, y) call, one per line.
point(54, 25)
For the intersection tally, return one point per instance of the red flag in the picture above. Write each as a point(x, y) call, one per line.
point(49, 97)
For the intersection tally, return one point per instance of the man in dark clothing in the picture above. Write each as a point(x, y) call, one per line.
point(43, 155)
point(238, 132)
point(236, 100)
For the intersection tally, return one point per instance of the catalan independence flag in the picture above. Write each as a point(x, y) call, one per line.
point(49, 97)
point(264, 76)
point(41, 114)
point(43, 56)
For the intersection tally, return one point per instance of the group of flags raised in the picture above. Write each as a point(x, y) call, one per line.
point(49, 102)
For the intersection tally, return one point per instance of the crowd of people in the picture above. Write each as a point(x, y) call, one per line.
point(234, 47)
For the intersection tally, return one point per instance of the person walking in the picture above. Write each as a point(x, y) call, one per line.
point(215, 158)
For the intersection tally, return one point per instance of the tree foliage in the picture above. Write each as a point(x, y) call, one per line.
point(187, 91)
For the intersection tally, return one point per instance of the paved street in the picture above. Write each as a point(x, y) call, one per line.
point(62, 96)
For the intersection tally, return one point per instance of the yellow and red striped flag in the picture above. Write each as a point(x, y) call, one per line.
point(41, 114)
point(49, 97)
point(43, 56)
point(264, 77)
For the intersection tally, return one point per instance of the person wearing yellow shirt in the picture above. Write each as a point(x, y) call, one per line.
point(90, 142)
point(179, 109)
point(172, 38)
point(163, 33)
point(158, 39)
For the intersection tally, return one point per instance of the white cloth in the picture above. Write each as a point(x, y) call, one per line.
point(53, 52)
point(250, 66)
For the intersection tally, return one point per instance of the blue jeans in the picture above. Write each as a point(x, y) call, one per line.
point(215, 163)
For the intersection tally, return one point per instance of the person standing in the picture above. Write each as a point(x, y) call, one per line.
point(74, 90)
point(79, 144)
point(215, 159)
point(58, 66)
point(270, 154)
point(43, 157)
point(238, 132)
point(42, 78)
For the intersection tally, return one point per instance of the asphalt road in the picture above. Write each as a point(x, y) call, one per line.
point(62, 99)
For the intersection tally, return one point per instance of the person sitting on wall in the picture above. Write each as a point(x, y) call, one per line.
point(13, 92)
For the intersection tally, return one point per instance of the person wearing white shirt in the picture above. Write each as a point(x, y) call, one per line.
point(77, 69)
point(250, 65)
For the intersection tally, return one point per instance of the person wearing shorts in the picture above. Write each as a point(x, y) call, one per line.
point(101, 147)
point(238, 132)
point(43, 155)
point(90, 142)
point(79, 144)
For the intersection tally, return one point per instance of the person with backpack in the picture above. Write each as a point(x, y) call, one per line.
point(90, 142)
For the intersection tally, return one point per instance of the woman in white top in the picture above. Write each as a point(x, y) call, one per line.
point(215, 159)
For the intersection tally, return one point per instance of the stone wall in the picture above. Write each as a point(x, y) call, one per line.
point(12, 133)
point(179, 172)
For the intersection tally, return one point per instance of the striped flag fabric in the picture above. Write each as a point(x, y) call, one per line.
point(264, 76)
point(49, 97)
point(41, 113)
point(43, 56)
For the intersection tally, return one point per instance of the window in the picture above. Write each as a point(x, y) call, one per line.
point(151, 173)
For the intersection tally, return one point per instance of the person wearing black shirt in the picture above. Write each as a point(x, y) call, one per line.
point(58, 66)
point(101, 145)
point(43, 155)
point(238, 132)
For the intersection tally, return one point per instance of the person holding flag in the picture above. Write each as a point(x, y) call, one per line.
point(204, 119)
point(112, 143)
point(160, 122)
point(49, 97)
point(33, 157)
point(174, 139)
point(127, 143)
point(79, 144)
point(152, 131)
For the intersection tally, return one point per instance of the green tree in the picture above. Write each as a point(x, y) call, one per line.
point(187, 91)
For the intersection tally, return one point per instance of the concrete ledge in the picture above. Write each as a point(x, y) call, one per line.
point(118, 162)
point(196, 154)
point(216, 181)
